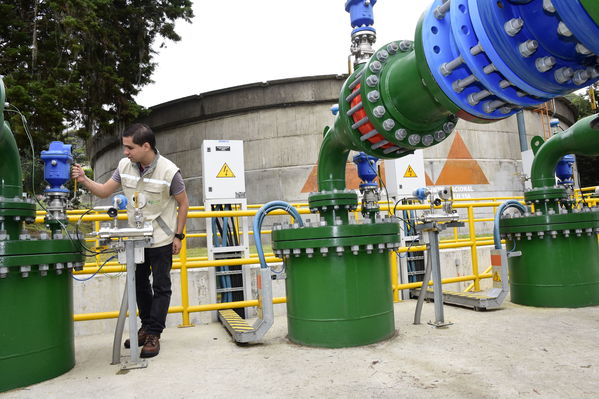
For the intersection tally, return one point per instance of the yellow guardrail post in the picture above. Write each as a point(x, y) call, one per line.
point(184, 284)
point(394, 275)
point(473, 247)
point(97, 228)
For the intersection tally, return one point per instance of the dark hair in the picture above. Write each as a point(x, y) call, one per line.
point(141, 133)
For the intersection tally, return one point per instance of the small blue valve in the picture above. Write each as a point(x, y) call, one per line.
point(366, 169)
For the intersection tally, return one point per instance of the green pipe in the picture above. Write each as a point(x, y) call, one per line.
point(592, 7)
point(582, 138)
point(10, 165)
point(413, 104)
point(2, 100)
point(10, 162)
point(332, 158)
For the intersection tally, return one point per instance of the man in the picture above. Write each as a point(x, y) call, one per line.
point(145, 171)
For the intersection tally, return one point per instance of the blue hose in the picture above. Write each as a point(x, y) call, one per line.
point(502, 208)
point(259, 218)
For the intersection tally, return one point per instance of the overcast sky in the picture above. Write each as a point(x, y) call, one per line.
point(235, 42)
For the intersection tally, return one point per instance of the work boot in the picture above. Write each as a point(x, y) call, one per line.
point(151, 347)
point(141, 338)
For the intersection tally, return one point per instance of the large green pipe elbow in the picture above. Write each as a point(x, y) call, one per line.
point(10, 161)
point(332, 158)
point(580, 139)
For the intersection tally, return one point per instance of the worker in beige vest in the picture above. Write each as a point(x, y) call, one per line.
point(145, 171)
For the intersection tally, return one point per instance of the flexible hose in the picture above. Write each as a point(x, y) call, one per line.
point(259, 218)
point(502, 208)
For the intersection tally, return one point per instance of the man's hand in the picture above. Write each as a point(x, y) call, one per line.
point(176, 246)
point(77, 173)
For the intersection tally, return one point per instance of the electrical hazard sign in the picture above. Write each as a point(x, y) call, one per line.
point(225, 171)
point(496, 277)
point(410, 172)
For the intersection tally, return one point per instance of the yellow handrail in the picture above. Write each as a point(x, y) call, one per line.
point(184, 262)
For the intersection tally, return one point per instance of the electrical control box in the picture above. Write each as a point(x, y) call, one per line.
point(404, 175)
point(223, 169)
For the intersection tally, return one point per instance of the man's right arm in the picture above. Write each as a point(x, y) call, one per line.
point(97, 189)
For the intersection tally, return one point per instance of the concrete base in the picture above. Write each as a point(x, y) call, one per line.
point(512, 352)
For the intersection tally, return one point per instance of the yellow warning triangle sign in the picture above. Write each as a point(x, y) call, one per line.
point(496, 277)
point(225, 171)
point(410, 172)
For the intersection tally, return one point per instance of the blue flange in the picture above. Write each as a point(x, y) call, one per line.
point(483, 67)
point(538, 25)
point(580, 23)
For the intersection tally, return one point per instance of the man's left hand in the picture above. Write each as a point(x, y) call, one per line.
point(176, 246)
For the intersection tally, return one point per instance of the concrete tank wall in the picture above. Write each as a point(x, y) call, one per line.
point(281, 124)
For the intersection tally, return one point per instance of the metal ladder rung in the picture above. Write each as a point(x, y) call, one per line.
point(234, 289)
point(228, 272)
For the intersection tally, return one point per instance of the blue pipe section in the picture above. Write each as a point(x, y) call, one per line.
point(259, 218)
point(491, 58)
point(502, 208)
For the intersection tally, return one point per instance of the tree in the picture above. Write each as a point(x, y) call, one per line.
point(76, 64)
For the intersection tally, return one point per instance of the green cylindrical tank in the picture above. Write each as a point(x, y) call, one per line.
point(338, 281)
point(37, 328)
point(555, 272)
point(36, 293)
point(322, 311)
point(559, 261)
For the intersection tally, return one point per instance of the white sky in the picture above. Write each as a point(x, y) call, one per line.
point(235, 42)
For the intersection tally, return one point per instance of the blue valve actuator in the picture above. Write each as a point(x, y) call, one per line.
point(57, 166)
point(564, 169)
point(421, 193)
point(366, 168)
point(360, 12)
point(119, 201)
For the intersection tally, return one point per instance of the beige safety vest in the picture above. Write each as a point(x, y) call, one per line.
point(155, 184)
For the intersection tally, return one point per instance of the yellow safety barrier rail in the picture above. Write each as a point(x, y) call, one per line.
point(184, 263)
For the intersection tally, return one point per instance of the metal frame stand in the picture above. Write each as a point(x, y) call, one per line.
point(134, 253)
point(433, 266)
